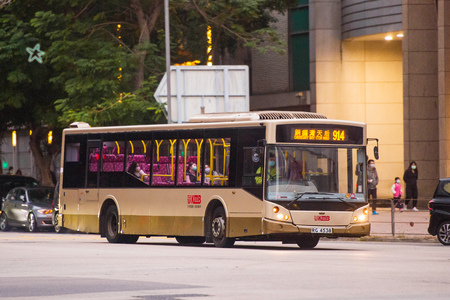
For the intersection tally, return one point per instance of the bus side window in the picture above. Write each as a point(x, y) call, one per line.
point(189, 151)
point(164, 162)
point(253, 166)
point(112, 165)
point(218, 160)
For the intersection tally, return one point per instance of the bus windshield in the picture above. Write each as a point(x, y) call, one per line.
point(302, 173)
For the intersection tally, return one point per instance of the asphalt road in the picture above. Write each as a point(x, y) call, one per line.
point(77, 266)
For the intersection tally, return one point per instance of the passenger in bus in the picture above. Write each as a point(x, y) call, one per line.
point(208, 178)
point(191, 176)
point(135, 170)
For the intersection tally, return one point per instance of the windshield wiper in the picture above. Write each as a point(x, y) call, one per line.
point(351, 205)
point(306, 193)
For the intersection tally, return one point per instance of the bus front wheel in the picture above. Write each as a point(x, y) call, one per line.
point(307, 241)
point(218, 229)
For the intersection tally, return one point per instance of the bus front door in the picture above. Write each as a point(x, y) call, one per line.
point(88, 196)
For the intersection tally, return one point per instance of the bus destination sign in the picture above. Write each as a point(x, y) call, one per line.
point(320, 133)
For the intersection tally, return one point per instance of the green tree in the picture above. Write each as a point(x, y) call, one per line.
point(103, 59)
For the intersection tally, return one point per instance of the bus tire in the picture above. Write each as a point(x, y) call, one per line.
point(111, 225)
point(218, 229)
point(129, 239)
point(190, 240)
point(307, 241)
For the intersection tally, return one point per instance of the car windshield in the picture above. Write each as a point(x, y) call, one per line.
point(299, 173)
point(41, 195)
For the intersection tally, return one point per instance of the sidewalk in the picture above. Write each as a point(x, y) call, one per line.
point(408, 224)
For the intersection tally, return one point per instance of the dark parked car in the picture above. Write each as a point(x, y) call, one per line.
point(29, 207)
point(440, 212)
point(8, 182)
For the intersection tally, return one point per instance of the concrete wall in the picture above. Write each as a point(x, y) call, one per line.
point(444, 87)
point(420, 66)
point(362, 17)
point(359, 81)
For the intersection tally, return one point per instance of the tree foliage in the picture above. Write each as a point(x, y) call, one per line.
point(104, 58)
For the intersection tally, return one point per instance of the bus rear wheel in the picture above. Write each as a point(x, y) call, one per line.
point(111, 228)
point(307, 241)
point(218, 229)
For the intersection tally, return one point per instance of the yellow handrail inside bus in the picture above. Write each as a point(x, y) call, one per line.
point(199, 147)
point(158, 143)
point(172, 142)
point(185, 158)
point(132, 147)
point(118, 148)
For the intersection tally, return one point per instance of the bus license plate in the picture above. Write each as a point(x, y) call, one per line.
point(321, 230)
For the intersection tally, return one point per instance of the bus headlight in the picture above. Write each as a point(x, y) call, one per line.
point(361, 215)
point(280, 216)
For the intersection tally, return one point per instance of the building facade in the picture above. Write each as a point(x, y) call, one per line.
point(382, 62)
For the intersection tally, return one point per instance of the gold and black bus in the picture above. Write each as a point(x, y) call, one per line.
point(260, 176)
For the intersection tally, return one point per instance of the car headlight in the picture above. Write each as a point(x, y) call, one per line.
point(45, 211)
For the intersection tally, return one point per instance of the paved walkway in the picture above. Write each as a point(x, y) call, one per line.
point(407, 223)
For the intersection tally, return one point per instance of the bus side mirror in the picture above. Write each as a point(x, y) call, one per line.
point(375, 152)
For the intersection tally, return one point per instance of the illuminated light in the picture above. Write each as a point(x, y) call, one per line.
point(31, 132)
point(388, 38)
point(5, 165)
point(45, 211)
point(275, 209)
point(50, 137)
point(120, 45)
point(14, 138)
point(120, 37)
point(120, 69)
point(97, 156)
point(355, 219)
point(400, 35)
point(118, 25)
point(209, 48)
point(366, 211)
point(280, 216)
point(286, 217)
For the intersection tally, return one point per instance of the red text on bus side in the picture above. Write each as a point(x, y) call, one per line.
point(321, 218)
point(194, 199)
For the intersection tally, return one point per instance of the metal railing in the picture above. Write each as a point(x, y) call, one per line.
point(389, 203)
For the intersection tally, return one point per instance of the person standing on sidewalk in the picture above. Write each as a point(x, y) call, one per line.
point(372, 182)
point(397, 192)
point(410, 178)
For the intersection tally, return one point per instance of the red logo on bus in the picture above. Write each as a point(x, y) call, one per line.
point(194, 199)
point(321, 218)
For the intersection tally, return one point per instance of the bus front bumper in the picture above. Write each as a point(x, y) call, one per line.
point(351, 230)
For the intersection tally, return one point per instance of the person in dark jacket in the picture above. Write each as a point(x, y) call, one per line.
point(372, 182)
point(410, 179)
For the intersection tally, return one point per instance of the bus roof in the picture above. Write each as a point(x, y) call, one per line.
point(254, 116)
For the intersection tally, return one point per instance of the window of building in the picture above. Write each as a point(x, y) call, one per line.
point(299, 46)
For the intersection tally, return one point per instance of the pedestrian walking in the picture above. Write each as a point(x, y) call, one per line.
point(410, 178)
